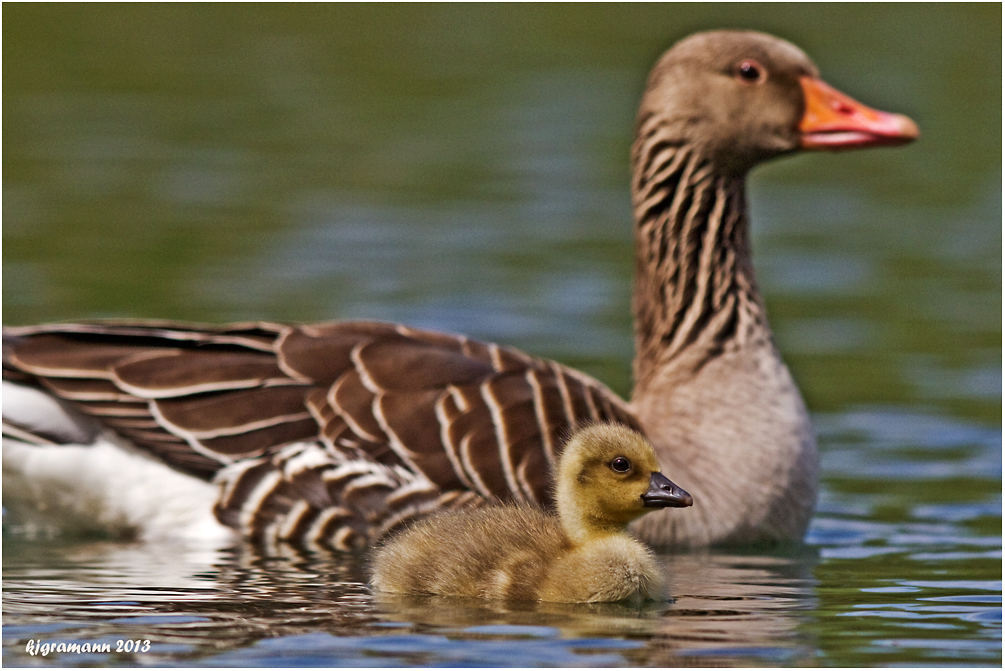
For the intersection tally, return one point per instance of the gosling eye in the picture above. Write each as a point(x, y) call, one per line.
point(750, 71)
point(621, 465)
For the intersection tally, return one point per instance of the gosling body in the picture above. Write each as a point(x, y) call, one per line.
point(520, 553)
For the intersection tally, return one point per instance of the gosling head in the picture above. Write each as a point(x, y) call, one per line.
point(608, 475)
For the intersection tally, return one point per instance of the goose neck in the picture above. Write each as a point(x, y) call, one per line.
point(582, 518)
point(585, 528)
point(695, 293)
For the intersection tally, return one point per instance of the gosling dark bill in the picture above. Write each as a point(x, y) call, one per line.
point(665, 494)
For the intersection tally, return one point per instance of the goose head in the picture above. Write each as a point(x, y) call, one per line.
point(740, 97)
point(608, 475)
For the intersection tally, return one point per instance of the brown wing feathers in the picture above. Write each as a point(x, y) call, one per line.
point(330, 434)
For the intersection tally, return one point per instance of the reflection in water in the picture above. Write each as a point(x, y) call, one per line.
point(235, 605)
point(189, 602)
point(726, 609)
point(737, 606)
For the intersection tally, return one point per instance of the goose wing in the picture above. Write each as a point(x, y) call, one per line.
point(295, 420)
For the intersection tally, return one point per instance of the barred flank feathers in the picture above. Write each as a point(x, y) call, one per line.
point(327, 435)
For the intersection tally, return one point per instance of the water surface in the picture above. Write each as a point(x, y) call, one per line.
point(466, 169)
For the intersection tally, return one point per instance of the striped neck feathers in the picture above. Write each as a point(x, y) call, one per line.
point(695, 295)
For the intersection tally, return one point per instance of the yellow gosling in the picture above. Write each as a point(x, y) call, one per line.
point(607, 476)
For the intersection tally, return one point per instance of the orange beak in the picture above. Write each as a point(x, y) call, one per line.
point(835, 121)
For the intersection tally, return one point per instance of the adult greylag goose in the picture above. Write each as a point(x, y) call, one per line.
point(334, 434)
point(607, 476)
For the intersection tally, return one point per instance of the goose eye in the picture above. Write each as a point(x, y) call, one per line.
point(750, 72)
point(621, 465)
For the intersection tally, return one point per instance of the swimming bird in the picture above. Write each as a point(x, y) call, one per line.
point(334, 434)
point(607, 476)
